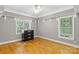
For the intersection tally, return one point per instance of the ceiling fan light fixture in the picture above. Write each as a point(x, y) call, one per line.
point(36, 9)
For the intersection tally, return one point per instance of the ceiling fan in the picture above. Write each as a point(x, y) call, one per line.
point(37, 9)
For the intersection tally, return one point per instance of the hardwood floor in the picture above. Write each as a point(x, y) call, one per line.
point(37, 46)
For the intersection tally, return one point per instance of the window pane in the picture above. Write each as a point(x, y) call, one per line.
point(26, 25)
point(19, 26)
point(66, 26)
point(22, 25)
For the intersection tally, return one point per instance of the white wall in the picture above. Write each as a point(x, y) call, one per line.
point(8, 26)
point(49, 29)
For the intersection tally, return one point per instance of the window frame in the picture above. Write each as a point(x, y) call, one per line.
point(30, 21)
point(59, 33)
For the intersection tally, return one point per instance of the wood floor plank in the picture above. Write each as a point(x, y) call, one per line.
point(37, 46)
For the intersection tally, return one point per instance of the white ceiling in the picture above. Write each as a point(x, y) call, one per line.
point(45, 9)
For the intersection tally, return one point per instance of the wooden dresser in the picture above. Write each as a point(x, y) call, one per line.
point(28, 35)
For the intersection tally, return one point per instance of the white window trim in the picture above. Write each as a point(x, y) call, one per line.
point(72, 38)
point(23, 24)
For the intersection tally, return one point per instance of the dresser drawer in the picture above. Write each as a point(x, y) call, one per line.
point(28, 35)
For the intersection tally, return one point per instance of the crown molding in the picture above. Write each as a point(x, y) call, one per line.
point(63, 9)
point(7, 9)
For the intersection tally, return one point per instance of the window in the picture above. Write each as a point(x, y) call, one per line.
point(66, 27)
point(22, 25)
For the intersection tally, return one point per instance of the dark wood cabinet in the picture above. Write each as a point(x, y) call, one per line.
point(28, 35)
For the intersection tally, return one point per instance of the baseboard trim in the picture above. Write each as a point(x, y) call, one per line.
point(35, 36)
point(10, 41)
point(76, 46)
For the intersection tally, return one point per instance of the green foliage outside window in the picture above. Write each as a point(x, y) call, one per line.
point(22, 25)
point(66, 27)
